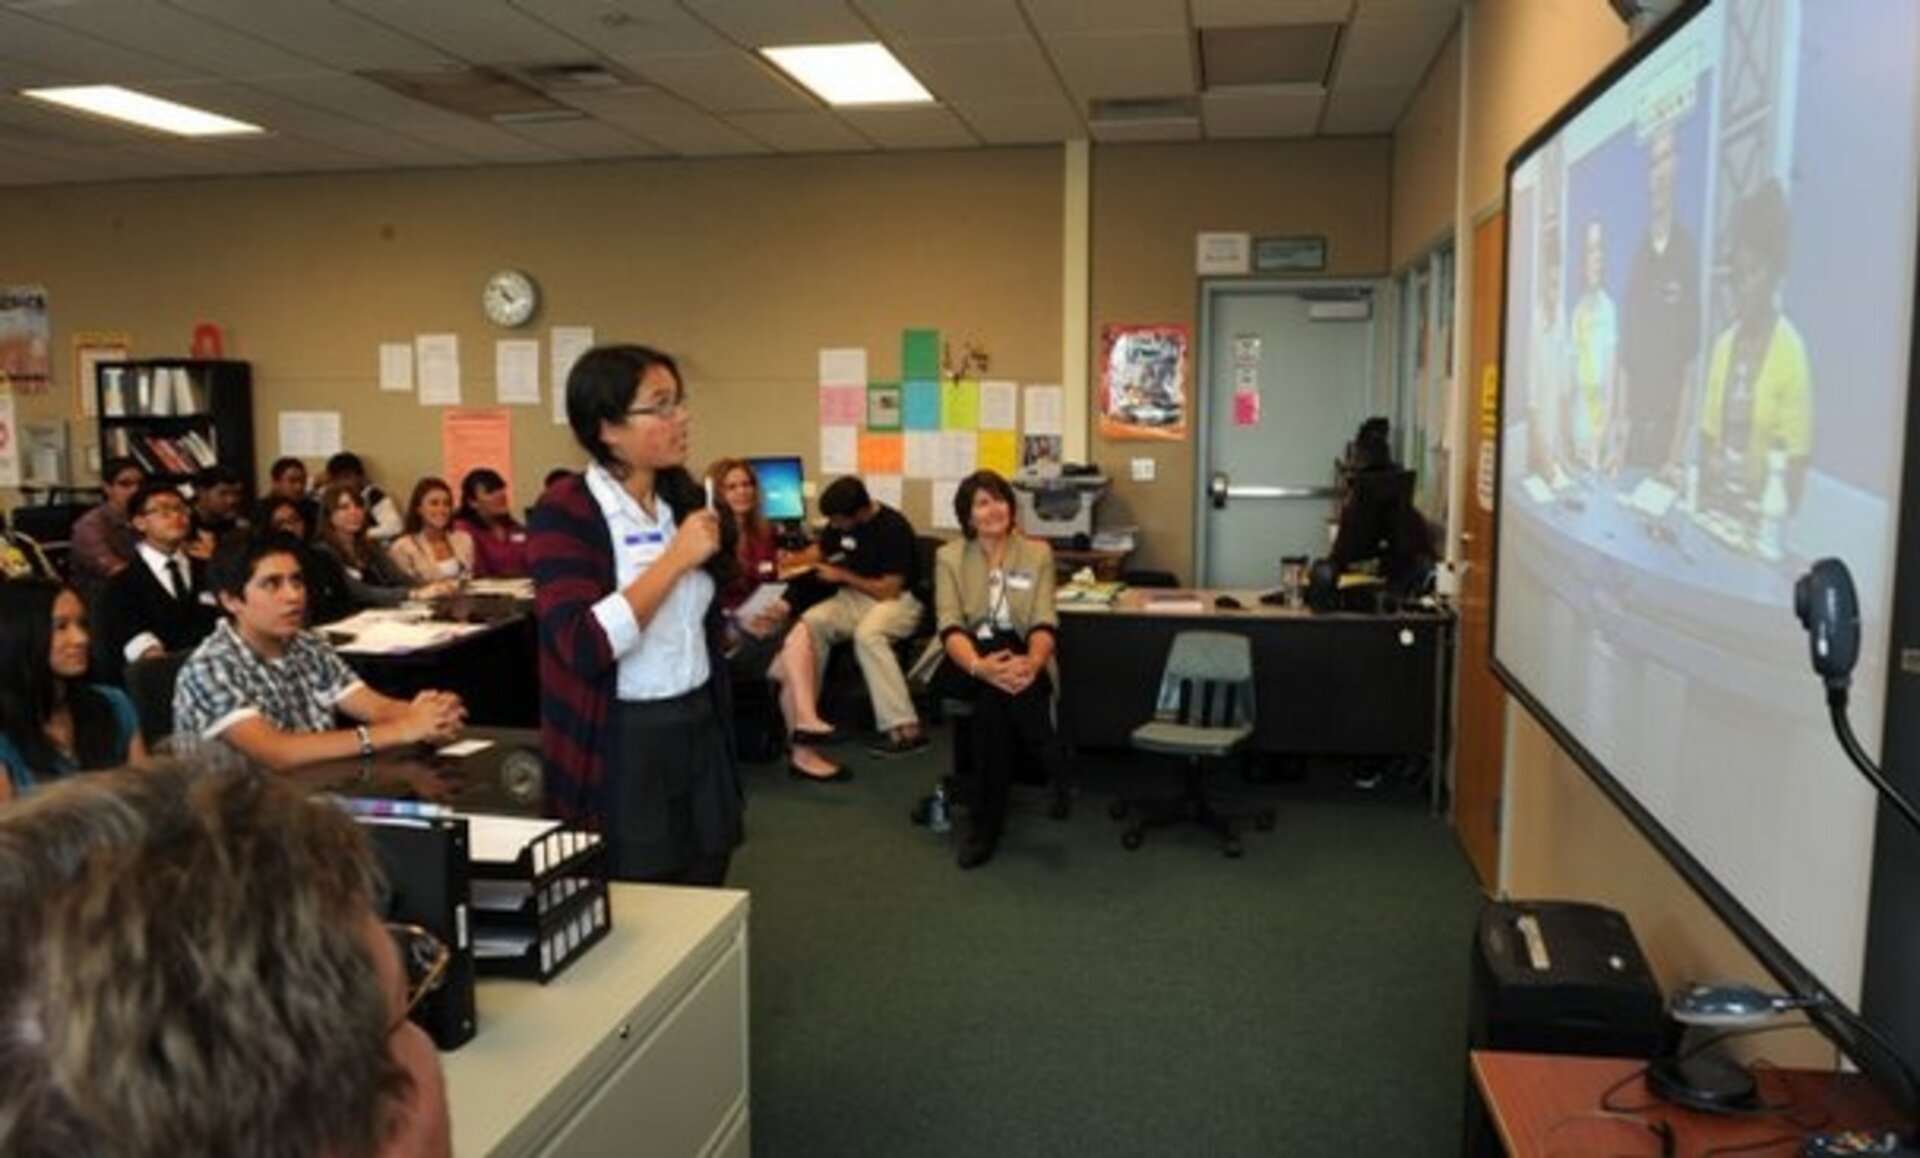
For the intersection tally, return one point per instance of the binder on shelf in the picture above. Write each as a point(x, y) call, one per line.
point(539, 895)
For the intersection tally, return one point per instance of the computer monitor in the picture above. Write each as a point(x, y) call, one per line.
point(781, 498)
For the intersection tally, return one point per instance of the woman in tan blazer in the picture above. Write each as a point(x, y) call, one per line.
point(993, 591)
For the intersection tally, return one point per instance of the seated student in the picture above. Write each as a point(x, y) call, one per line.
point(432, 549)
point(217, 498)
point(871, 557)
point(191, 962)
point(268, 688)
point(383, 518)
point(287, 479)
point(53, 722)
point(162, 602)
point(101, 542)
point(749, 646)
point(994, 592)
point(372, 579)
point(486, 513)
point(327, 597)
point(1381, 527)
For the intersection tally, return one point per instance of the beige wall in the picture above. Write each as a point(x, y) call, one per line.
point(1563, 837)
point(745, 268)
point(1148, 202)
point(1426, 159)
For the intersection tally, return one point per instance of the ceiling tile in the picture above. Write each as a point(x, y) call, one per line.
point(1235, 13)
point(905, 21)
point(1281, 111)
point(585, 139)
point(1055, 17)
point(1023, 122)
point(1124, 64)
point(319, 31)
point(724, 82)
point(1136, 132)
point(668, 122)
point(911, 128)
point(1363, 109)
point(1001, 68)
point(758, 23)
point(811, 131)
point(633, 29)
point(475, 31)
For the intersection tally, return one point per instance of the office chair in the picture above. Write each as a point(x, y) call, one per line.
point(1204, 710)
point(150, 687)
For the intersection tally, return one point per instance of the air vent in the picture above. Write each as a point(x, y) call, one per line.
point(588, 75)
point(1141, 110)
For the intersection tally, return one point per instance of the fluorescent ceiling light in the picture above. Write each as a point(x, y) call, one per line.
point(137, 108)
point(850, 74)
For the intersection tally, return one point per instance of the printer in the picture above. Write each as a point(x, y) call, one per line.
point(1056, 502)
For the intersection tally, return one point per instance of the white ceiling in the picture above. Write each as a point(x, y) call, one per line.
point(680, 77)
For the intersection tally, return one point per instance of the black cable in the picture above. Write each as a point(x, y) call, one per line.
point(1843, 728)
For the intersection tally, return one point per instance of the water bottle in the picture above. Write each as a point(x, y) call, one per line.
point(939, 819)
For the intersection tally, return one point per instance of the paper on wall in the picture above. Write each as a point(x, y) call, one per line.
point(941, 499)
point(890, 489)
point(396, 367)
point(844, 367)
point(438, 359)
point(999, 405)
point(516, 371)
point(1044, 406)
point(565, 344)
point(310, 433)
point(839, 450)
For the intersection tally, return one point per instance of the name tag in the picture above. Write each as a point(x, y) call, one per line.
point(640, 538)
point(849, 543)
point(985, 630)
point(516, 536)
point(1020, 581)
point(647, 553)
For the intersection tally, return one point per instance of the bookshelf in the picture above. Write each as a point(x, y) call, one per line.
point(178, 416)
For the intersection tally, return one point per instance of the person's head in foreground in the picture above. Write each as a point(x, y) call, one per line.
point(190, 963)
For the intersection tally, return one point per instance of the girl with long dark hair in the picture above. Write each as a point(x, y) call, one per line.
point(52, 721)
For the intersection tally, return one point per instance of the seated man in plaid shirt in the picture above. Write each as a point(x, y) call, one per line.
point(270, 689)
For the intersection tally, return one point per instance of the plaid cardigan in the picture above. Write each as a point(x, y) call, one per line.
point(570, 553)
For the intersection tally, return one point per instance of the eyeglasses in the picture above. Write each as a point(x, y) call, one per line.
point(424, 957)
point(673, 409)
point(164, 508)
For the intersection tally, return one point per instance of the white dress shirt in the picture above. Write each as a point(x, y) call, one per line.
point(668, 656)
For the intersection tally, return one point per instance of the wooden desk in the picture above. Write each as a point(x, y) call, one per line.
point(1107, 565)
point(639, 1048)
point(1551, 1104)
point(1373, 685)
point(494, 669)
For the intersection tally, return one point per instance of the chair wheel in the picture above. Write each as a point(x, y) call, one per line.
point(1117, 809)
point(1263, 820)
point(1232, 849)
point(1130, 839)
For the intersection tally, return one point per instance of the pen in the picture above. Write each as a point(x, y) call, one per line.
point(383, 806)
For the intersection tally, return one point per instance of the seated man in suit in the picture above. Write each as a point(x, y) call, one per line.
point(870, 556)
point(264, 685)
point(161, 602)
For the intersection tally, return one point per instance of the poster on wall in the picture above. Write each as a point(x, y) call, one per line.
point(89, 350)
point(1143, 382)
point(25, 344)
point(9, 440)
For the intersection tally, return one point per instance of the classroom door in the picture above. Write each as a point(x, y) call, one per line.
point(1479, 754)
point(1288, 373)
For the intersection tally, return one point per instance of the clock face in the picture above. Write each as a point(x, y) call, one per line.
point(510, 298)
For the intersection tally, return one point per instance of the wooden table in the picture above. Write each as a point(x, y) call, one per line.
point(1552, 1104)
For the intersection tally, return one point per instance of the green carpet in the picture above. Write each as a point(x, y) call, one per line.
point(1072, 997)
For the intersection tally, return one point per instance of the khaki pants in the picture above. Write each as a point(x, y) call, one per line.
point(872, 625)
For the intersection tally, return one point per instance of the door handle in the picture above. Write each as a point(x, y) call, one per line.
point(1220, 489)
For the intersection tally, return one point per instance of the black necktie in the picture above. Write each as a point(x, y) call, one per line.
point(177, 579)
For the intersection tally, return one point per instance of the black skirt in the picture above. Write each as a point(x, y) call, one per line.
point(673, 790)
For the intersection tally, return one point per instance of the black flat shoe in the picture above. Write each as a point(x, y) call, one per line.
point(840, 774)
point(814, 739)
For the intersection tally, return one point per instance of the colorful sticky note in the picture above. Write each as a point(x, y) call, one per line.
point(922, 404)
point(920, 353)
point(843, 405)
point(999, 451)
point(882, 454)
point(883, 406)
point(960, 405)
